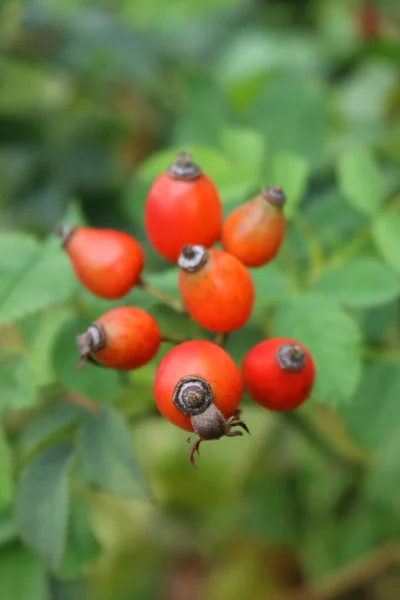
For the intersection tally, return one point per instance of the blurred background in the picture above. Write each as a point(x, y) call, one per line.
point(95, 100)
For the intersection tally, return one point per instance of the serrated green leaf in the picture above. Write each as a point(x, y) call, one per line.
point(82, 546)
point(291, 172)
point(386, 232)
point(360, 283)
point(107, 455)
point(22, 574)
point(374, 413)
point(42, 502)
point(17, 386)
point(47, 424)
point(96, 383)
point(360, 180)
point(6, 475)
point(32, 278)
point(333, 339)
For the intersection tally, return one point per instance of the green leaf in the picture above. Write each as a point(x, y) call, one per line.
point(6, 475)
point(332, 219)
point(42, 502)
point(8, 527)
point(96, 383)
point(47, 424)
point(386, 232)
point(196, 123)
point(291, 172)
point(291, 114)
point(374, 413)
point(374, 79)
point(107, 455)
point(377, 322)
point(16, 250)
point(332, 338)
point(166, 280)
point(271, 286)
point(245, 147)
point(82, 546)
point(22, 575)
point(361, 283)
point(17, 385)
point(173, 323)
point(33, 276)
point(39, 332)
point(384, 478)
point(360, 180)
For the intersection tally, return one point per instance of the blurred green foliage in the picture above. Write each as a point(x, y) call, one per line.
point(95, 100)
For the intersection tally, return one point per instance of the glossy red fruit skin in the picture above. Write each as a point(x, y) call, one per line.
point(271, 386)
point(202, 359)
point(132, 338)
point(107, 262)
point(254, 232)
point(220, 295)
point(179, 212)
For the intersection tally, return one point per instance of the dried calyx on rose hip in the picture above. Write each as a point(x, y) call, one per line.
point(278, 374)
point(194, 398)
point(198, 388)
point(107, 262)
point(182, 207)
point(216, 288)
point(254, 231)
point(123, 338)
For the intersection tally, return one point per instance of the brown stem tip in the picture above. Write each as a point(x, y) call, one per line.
point(192, 258)
point(192, 395)
point(64, 233)
point(274, 195)
point(291, 358)
point(184, 168)
point(93, 339)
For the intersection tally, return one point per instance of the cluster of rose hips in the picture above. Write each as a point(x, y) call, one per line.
point(197, 386)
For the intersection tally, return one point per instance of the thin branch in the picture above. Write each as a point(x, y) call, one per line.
point(82, 402)
point(173, 339)
point(221, 339)
point(163, 297)
point(355, 575)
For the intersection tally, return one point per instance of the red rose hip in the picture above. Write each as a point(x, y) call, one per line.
point(123, 338)
point(182, 207)
point(254, 231)
point(278, 374)
point(198, 388)
point(107, 262)
point(216, 288)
